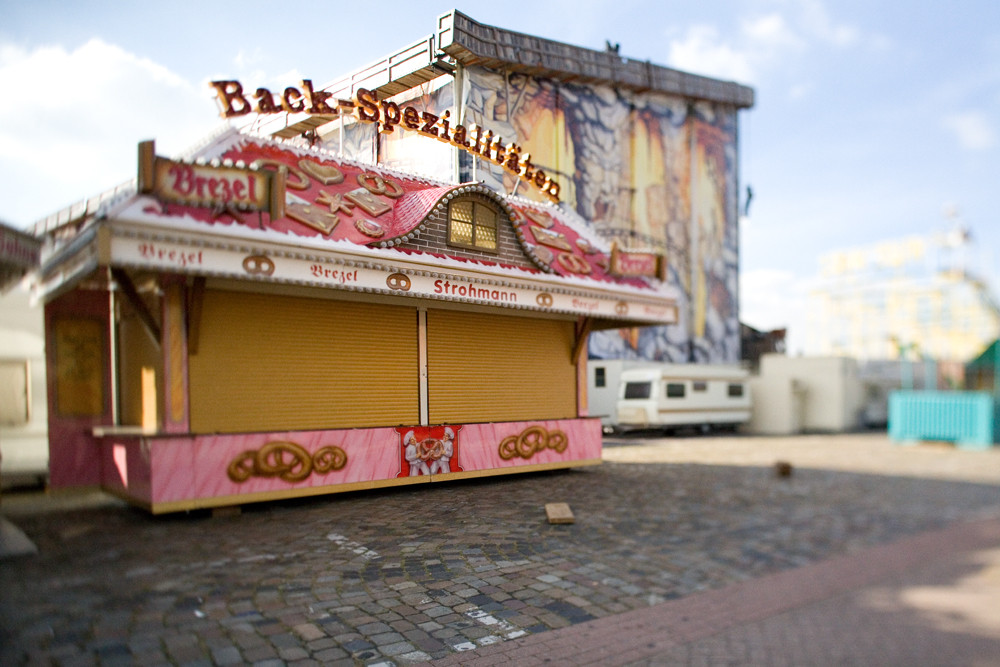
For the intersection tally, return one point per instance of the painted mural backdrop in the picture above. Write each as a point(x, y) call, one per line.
point(648, 170)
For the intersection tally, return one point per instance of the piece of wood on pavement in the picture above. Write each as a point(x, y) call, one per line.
point(559, 513)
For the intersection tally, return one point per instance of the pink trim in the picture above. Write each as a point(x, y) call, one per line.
point(177, 469)
point(73, 455)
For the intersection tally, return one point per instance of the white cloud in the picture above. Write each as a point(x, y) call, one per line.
point(764, 41)
point(771, 32)
point(761, 40)
point(75, 134)
point(817, 23)
point(800, 91)
point(702, 50)
point(973, 130)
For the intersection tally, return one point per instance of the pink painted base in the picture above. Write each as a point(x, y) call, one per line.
point(188, 471)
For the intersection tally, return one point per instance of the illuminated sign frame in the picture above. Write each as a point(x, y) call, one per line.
point(634, 263)
point(220, 186)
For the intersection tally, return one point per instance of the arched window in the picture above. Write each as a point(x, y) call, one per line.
point(472, 224)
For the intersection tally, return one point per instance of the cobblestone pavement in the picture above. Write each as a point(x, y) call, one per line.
point(407, 575)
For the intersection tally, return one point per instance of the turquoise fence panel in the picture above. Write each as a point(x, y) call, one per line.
point(967, 418)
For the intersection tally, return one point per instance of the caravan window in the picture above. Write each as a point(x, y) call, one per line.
point(599, 378)
point(735, 390)
point(675, 390)
point(699, 385)
point(636, 390)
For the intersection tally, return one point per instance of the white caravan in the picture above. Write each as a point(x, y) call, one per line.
point(674, 395)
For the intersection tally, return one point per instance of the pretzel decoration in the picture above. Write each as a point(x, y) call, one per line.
point(258, 265)
point(287, 461)
point(380, 185)
point(530, 441)
point(398, 281)
point(574, 263)
point(296, 179)
point(431, 449)
point(369, 228)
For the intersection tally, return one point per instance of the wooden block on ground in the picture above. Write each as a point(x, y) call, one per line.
point(559, 513)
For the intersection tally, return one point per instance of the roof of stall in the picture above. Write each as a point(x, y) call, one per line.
point(354, 210)
point(322, 205)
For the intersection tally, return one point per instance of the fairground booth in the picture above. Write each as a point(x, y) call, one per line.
point(391, 279)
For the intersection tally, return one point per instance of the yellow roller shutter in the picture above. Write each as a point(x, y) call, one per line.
point(486, 367)
point(268, 362)
point(136, 351)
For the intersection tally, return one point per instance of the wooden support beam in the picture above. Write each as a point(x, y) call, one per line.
point(195, 301)
point(583, 327)
point(127, 287)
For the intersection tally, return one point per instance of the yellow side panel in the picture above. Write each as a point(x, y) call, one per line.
point(486, 368)
point(79, 366)
point(268, 362)
point(138, 359)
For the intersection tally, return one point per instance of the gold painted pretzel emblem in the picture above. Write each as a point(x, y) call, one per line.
point(530, 441)
point(287, 461)
point(398, 281)
point(380, 185)
point(258, 265)
point(574, 263)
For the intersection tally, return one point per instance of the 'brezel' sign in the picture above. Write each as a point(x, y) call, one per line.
point(387, 115)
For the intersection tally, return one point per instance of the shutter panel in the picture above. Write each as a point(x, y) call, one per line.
point(136, 350)
point(490, 368)
point(268, 362)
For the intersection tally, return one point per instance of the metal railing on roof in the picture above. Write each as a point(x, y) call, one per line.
point(83, 209)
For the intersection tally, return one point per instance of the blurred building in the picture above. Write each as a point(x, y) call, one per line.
point(755, 344)
point(913, 298)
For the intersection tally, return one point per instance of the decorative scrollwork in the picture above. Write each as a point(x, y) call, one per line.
point(287, 461)
point(530, 441)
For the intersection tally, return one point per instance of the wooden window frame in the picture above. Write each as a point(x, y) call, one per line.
point(475, 226)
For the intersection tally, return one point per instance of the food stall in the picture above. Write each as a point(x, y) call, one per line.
point(266, 319)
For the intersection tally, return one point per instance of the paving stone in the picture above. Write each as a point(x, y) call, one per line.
point(331, 654)
point(260, 653)
point(229, 655)
point(396, 648)
point(293, 653)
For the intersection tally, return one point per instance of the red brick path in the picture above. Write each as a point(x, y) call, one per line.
point(669, 633)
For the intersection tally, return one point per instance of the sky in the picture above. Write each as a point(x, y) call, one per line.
point(873, 120)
